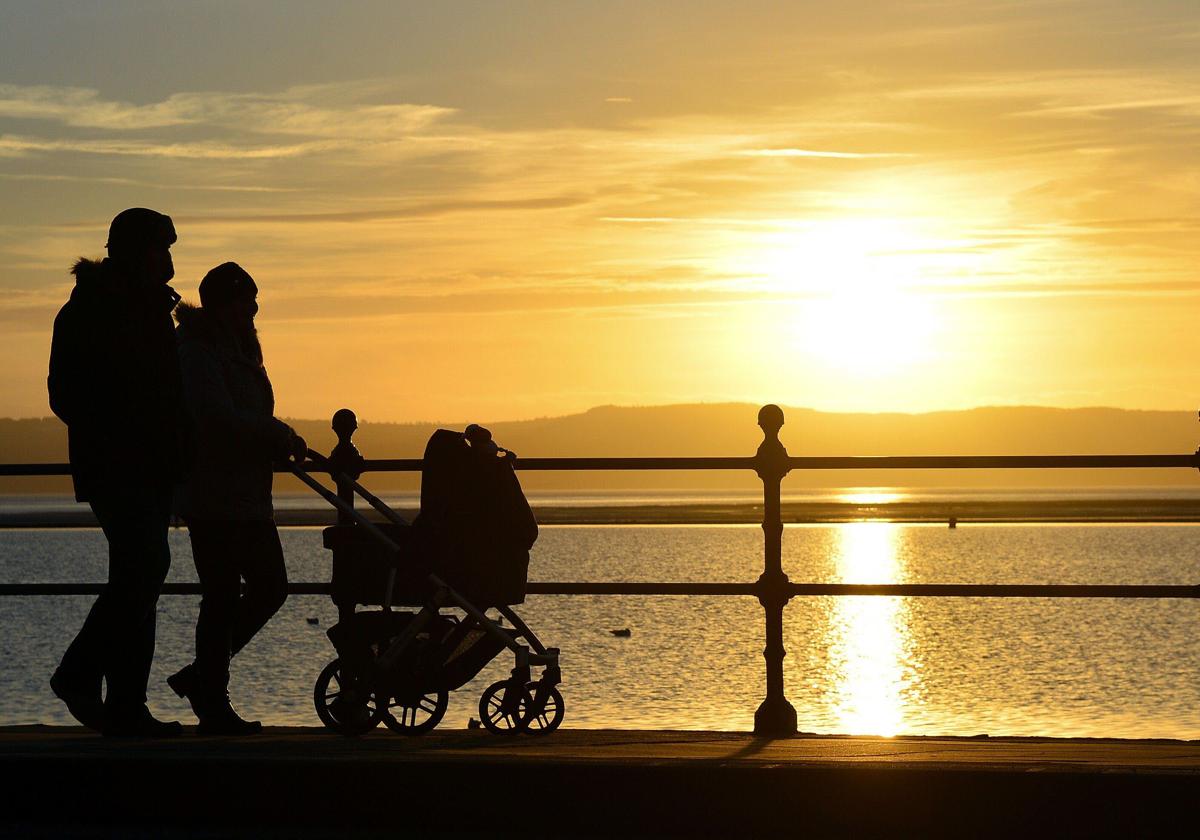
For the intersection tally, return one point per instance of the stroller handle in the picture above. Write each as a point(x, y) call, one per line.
point(340, 477)
point(345, 508)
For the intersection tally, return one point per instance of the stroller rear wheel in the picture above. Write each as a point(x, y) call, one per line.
point(345, 703)
point(504, 711)
point(416, 715)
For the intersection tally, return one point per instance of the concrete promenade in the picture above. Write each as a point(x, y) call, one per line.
point(307, 782)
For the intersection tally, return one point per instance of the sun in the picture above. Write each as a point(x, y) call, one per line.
point(851, 290)
point(866, 331)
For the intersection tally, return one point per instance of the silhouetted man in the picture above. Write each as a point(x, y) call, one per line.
point(114, 380)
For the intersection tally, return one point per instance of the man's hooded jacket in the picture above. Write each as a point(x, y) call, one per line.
point(114, 380)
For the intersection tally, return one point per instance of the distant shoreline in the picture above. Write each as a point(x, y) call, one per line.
point(738, 513)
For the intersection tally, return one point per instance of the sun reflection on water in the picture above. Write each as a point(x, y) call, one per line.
point(870, 496)
point(870, 652)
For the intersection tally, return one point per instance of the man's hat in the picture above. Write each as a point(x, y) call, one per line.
point(137, 229)
point(224, 284)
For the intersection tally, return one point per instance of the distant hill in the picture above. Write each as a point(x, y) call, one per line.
point(729, 429)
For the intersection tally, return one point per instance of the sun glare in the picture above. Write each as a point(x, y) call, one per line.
point(854, 305)
point(870, 497)
point(867, 331)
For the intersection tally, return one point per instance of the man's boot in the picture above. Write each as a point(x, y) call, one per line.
point(85, 705)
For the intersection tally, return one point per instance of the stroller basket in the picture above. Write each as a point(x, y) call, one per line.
point(446, 656)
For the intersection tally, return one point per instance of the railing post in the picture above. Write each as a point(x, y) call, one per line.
point(345, 458)
point(776, 717)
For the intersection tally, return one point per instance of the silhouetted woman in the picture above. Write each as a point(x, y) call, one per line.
point(226, 499)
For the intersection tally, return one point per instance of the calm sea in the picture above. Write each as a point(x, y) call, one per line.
point(964, 666)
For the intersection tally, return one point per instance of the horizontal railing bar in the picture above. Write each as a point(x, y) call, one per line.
point(839, 462)
point(991, 462)
point(541, 464)
point(890, 589)
point(997, 590)
point(848, 462)
point(713, 463)
point(910, 590)
point(601, 588)
point(40, 589)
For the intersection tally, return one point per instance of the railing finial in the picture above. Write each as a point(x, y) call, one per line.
point(770, 420)
point(345, 457)
point(345, 424)
point(772, 456)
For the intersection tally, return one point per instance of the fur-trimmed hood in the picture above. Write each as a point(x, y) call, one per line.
point(102, 278)
point(193, 321)
point(92, 274)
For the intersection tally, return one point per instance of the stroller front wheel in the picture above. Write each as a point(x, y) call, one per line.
point(545, 709)
point(344, 703)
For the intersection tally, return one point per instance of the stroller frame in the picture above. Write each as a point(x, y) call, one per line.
point(522, 705)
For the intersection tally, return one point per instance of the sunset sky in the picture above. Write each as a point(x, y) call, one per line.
point(488, 211)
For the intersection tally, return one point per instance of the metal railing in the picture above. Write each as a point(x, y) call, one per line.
point(775, 716)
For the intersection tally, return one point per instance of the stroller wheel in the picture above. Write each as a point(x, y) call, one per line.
point(504, 711)
point(344, 703)
point(416, 715)
point(545, 709)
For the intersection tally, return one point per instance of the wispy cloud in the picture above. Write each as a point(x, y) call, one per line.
point(83, 107)
point(1177, 103)
point(1099, 289)
point(133, 182)
point(817, 153)
point(413, 211)
point(290, 111)
point(758, 223)
point(15, 145)
point(1064, 92)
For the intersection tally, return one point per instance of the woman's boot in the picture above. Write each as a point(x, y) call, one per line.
point(217, 716)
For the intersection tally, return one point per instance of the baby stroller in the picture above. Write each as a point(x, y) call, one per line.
point(466, 552)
